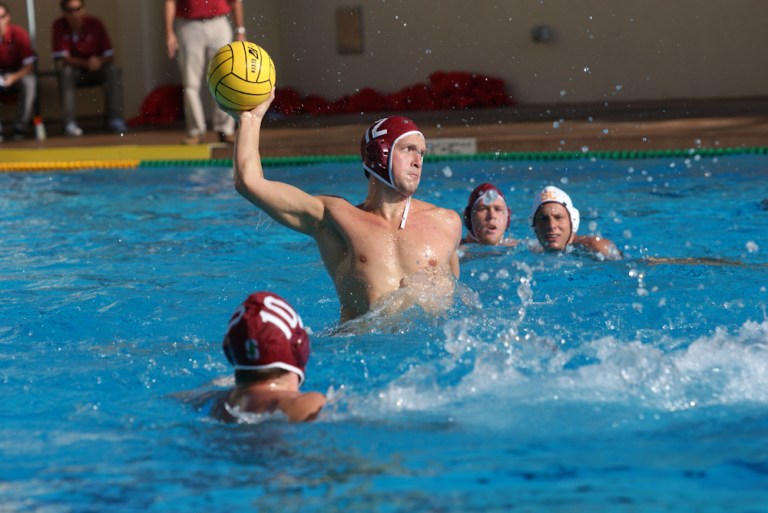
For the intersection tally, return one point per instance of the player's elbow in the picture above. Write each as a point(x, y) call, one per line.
point(239, 184)
point(245, 184)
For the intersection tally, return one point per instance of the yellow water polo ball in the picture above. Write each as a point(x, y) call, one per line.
point(241, 75)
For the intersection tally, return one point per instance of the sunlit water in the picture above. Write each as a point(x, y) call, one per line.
point(566, 385)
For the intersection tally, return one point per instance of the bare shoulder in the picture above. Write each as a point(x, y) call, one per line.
point(336, 203)
point(509, 242)
point(426, 208)
point(599, 245)
point(303, 407)
point(330, 199)
point(219, 402)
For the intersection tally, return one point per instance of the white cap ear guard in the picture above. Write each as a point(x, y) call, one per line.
point(551, 194)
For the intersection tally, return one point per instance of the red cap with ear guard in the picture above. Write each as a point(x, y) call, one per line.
point(487, 192)
point(377, 143)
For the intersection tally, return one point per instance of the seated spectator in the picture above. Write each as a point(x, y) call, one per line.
point(84, 56)
point(17, 71)
point(555, 222)
point(487, 217)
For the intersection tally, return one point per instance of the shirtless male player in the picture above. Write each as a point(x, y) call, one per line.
point(387, 243)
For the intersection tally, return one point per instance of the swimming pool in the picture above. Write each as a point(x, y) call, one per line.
point(568, 384)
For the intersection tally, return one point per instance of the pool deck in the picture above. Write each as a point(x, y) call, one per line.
point(638, 127)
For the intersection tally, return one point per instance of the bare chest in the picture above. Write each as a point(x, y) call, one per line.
point(404, 251)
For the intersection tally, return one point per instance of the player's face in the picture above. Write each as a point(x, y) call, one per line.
point(552, 225)
point(407, 159)
point(489, 220)
point(74, 8)
point(5, 19)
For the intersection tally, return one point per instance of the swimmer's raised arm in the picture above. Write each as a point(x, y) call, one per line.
point(286, 204)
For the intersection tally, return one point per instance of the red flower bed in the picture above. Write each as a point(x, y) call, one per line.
point(445, 91)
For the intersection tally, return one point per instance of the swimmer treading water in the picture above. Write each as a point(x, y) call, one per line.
point(375, 248)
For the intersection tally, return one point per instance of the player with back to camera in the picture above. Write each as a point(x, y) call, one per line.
point(390, 242)
point(555, 222)
point(487, 217)
point(269, 348)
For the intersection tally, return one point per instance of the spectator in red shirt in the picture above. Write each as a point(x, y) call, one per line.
point(17, 71)
point(84, 56)
point(196, 29)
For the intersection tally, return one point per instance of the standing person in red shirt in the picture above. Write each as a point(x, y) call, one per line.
point(196, 29)
point(84, 54)
point(17, 72)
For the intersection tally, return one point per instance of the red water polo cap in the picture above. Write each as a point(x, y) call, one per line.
point(265, 332)
point(483, 192)
point(378, 141)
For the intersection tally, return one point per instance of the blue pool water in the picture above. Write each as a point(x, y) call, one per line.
point(558, 384)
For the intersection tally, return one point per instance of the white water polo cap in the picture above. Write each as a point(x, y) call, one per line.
point(378, 141)
point(551, 194)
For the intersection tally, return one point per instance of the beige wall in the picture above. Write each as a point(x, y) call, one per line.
point(630, 49)
point(602, 50)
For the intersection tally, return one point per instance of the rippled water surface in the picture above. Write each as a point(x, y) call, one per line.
point(567, 384)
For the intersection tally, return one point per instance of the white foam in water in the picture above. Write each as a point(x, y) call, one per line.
point(722, 369)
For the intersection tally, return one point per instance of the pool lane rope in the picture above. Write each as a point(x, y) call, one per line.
point(69, 165)
point(75, 165)
point(501, 156)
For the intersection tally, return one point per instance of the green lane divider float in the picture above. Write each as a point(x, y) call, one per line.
point(501, 156)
